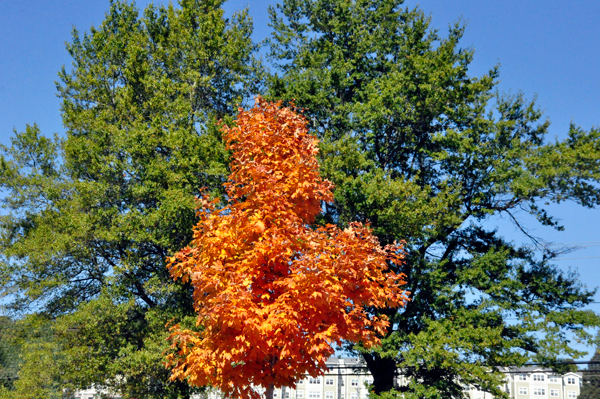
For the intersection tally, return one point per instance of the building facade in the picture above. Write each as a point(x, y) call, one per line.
point(539, 383)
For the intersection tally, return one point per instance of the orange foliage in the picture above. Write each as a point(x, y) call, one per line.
point(272, 293)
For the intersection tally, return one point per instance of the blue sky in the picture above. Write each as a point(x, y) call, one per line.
point(547, 48)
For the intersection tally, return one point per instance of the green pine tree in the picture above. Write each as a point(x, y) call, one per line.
point(427, 153)
point(9, 353)
point(590, 388)
point(91, 217)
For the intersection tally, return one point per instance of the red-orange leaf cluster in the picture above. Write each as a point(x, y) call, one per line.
point(272, 293)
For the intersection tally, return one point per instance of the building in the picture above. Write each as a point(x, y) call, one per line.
point(539, 383)
point(347, 378)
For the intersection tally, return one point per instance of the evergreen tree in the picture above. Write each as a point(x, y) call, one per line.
point(91, 217)
point(9, 353)
point(427, 153)
point(590, 388)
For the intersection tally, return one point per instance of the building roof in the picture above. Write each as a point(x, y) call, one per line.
point(533, 369)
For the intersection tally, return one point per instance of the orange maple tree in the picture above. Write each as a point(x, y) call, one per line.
point(272, 293)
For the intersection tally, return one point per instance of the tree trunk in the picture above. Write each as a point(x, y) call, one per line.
point(269, 392)
point(383, 371)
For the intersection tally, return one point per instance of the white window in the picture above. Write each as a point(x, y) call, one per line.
point(571, 381)
point(369, 380)
point(328, 381)
point(353, 395)
point(522, 390)
point(354, 382)
point(300, 394)
point(286, 395)
point(571, 394)
point(538, 377)
point(328, 395)
point(539, 392)
point(275, 394)
point(554, 392)
point(553, 378)
point(312, 380)
point(522, 377)
point(314, 395)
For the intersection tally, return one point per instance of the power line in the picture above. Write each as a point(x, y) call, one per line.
point(592, 243)
point(564, 363)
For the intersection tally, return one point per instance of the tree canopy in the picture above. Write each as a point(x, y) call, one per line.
point(427, 153)
point(92, 215)
point(413, 144)
point(273, 294)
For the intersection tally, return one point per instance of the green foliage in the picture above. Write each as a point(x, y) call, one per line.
point(414, 145)
point(428, 154)
point(31, 370)
point(104, 338)
point(91, 217)
point(590, 388)
point(38, 375)
point(9, 353)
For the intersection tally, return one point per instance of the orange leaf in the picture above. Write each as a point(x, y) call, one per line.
point(273, 301)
